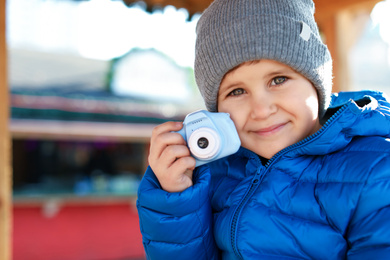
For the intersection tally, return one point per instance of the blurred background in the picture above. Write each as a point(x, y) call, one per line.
point(88, 81)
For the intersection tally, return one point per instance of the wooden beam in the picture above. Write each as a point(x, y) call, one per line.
point(341, 30)
point(329, 7)
point(5, 153)
point(192, 6)
point(328, 30)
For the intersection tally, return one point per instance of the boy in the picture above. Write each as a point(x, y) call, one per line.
point(311, 181)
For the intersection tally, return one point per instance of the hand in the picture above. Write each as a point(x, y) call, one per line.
point(170, 158)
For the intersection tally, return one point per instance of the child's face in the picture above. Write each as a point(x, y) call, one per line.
point(271, 105)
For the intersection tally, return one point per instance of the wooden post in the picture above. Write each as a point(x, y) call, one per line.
point(328, 29)
point(5, 148)
point(342, 28)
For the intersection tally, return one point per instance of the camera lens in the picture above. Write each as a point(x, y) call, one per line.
point(203, 143)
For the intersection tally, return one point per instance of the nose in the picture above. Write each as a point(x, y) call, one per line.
point(262, 106)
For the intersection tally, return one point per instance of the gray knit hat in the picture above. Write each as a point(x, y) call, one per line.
point(231, 32)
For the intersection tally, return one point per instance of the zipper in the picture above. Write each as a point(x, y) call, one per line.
point(258, 178)
point(254, 183)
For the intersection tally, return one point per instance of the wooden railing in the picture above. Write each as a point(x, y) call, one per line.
point(5, 148)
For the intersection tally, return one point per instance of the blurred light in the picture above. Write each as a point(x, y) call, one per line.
point(99, 29)
point(380, 17)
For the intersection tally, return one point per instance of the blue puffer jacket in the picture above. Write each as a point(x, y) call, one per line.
point(326, 197)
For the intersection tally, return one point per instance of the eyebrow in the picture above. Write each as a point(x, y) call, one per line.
point(284, 71)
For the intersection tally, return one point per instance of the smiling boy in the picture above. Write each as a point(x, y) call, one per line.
point(311, 180)
point(271, 105)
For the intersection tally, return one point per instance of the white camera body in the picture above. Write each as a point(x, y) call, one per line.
point(210, 136)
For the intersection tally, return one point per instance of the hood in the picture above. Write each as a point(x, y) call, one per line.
point(350, 114)
point(371, 110)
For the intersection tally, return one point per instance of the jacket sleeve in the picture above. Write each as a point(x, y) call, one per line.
point(176, 225)
point(369, 229)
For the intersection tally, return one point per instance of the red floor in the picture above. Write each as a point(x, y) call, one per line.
point(89, 232)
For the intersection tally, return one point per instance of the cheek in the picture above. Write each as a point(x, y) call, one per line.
point(239, 120)
point(224, 106)
point(312, 104)
point(235, 113)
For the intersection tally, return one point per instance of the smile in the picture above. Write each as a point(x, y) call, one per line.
point(270, 130)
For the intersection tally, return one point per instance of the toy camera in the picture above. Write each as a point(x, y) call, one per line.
point(210, 136)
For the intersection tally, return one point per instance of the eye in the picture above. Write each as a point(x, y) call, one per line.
point(278, 80)
point(237, 92)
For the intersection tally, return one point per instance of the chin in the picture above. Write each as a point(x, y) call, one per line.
point(264, 154)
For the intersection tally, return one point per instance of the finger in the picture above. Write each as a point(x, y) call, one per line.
point(162, 136)
point(166, 127)
point(162, 142)
point(173, 153)
point(183, 165)
point(170, 154)
point(178, 174)
point(167, 138)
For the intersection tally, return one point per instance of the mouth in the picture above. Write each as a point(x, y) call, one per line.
point(267, 131)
